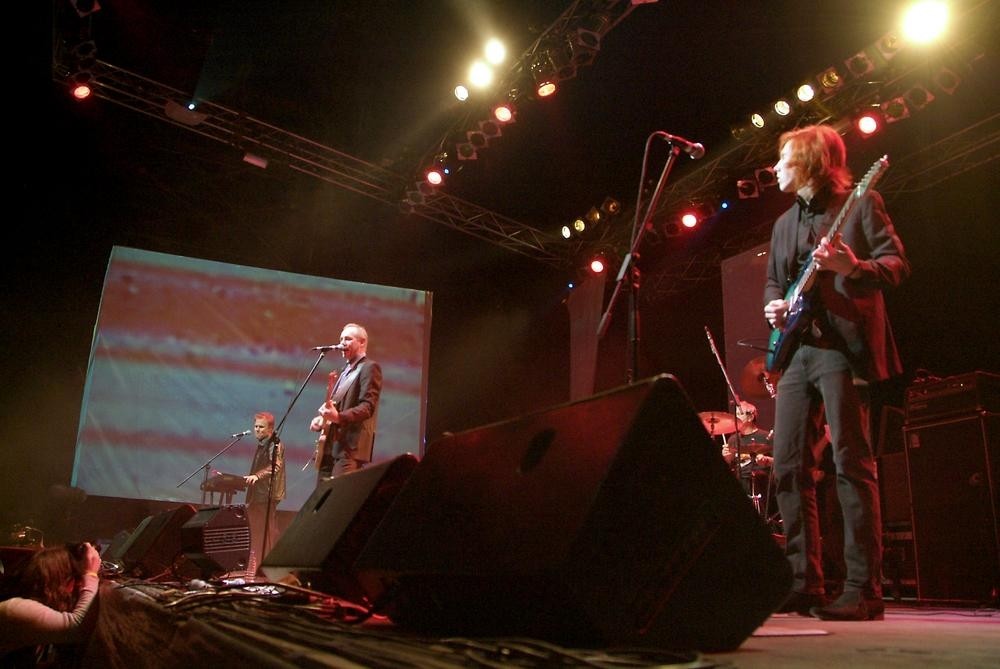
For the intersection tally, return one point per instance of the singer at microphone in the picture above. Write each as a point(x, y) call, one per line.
point(331, 347)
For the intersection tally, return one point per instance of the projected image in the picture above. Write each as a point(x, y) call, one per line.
point(185, 351)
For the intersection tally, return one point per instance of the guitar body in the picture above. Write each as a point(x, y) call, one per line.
point(325, 437)
point(785, 340)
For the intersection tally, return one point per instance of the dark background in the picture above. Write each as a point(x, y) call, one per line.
point(372, 79)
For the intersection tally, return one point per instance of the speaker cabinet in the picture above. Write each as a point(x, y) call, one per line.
point(609, 521)
point(217, 539)
point(321, 545)
point(953, 473)
point(155, 546)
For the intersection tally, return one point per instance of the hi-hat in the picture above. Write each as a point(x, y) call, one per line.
point(717, 422)
point(753, 380)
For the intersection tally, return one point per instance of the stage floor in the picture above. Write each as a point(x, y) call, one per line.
point(145, 624)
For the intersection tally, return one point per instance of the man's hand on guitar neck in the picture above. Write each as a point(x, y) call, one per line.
point(835, 256)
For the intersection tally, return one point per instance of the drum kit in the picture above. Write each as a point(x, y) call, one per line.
point(751, 462)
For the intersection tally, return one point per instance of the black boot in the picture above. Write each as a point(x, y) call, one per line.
point(852, 605)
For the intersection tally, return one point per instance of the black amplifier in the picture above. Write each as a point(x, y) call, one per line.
point(961, 394)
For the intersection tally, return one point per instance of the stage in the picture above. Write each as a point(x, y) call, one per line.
point(145, 624)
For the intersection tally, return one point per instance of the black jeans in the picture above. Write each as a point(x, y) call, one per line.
point(818, 379)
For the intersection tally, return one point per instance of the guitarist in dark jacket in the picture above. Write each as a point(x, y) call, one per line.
point(349, 418)
point(841, 343)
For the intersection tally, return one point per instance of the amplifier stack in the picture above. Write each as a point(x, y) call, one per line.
point(951, 441)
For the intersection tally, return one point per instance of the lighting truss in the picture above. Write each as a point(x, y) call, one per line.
point(303, 155)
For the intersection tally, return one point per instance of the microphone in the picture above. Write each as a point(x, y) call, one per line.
point(241, 434)
point(331, 347)
point(694, 149)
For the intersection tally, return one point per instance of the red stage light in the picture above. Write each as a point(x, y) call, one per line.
point(81, 91)
point(689, 219)
point(434, 176)
point(503, 113)
point(597, 265)
point(868, 123)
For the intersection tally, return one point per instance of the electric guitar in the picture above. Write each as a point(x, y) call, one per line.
point(323, 437)
point(785, 340)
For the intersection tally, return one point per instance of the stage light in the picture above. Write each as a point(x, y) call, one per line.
point(765, 177)
point(868, 123)
point(461, 93)
point(476, 138)
point(81, 89)
point(495, 51)
point(566, 232)
point(747, 189)
point(894, 110)
point(480, 74)
point(888, 46)
point(860, 64)
point(611, 206)
point(782, 108)
point(918, 97)
point(830, 81)
point(504, 113)
point(947, 81)
point(695, 213)
point(757, 120)
point(924, 22)
point(805, 93)
point(466, 151)
point(598, 264)
point(544, 77)
point(490, 129)
point(434, 176)
point(593, 216)
point(579, 225)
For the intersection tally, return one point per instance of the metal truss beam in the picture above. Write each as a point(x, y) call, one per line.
point(306, 156)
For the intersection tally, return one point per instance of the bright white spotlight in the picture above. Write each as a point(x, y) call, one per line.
point(925, 21)
point(461, 93)
point(495, 51)
point(480, 74)
point(782, 108)
point(805, 93)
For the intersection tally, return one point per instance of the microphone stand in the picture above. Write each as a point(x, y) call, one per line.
point(629, 272)
point(274, 441)
point(207, 464)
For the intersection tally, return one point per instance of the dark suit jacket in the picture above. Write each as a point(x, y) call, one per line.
point(854, 307)
point(359, 413)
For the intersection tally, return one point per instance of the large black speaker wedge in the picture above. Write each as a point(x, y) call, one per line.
point(327, 535)
point(612, 521)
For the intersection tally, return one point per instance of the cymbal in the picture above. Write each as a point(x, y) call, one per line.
point(753, 380)
point(717, 422)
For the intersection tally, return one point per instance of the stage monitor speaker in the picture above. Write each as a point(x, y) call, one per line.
point(217, 540)
point(156, 543)
point(324, 540)
point(953, 467)
point(611, 521)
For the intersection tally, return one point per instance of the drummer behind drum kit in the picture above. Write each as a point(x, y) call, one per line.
point(754, 458)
